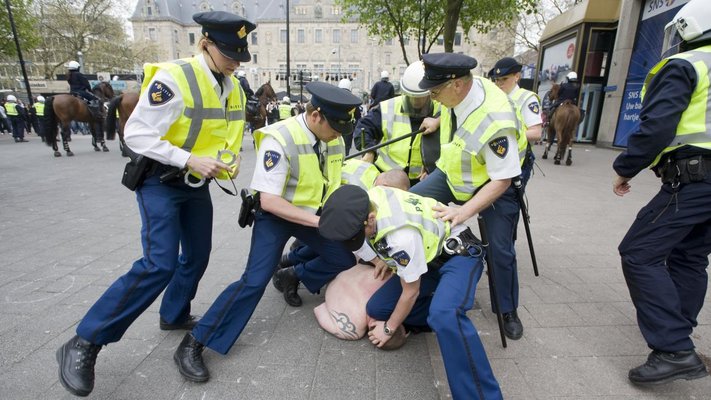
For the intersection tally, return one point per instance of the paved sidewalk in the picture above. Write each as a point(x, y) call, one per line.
point(68, 229)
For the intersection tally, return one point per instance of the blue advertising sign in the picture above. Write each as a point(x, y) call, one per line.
point(646, 53)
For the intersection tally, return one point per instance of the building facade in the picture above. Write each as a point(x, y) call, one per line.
point(322, 46)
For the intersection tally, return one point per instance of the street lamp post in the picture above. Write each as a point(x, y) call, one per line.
point(288, 68)
point(19, 53)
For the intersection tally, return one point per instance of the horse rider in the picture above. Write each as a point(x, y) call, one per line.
point(79, 85)
point(382, 90)
point(569, 90)
point(398, 230)
point(242, 77)
point(502, 218)
point(14, 115)
point(298, 167)
point(665, 253)
point(285, 108)
point(189, 113)
point(346, 84)
point(397, 117)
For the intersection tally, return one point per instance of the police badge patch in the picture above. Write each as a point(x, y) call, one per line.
point(159, 93)
point(534, 107)
point(401, 258)
point(271, 159)
point(500, 146)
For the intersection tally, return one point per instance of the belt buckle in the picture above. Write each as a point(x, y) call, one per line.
point(457, 241)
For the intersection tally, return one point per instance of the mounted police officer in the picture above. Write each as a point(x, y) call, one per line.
point(569, 90)
point(502, 218)
point(79, 85)
point(242, 77)
point(400, 228)
point(397, 117)
point(298, 167)
point(382, 90)
point(665, 252)
point(190, 112)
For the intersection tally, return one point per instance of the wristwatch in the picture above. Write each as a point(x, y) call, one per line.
point(387, 330)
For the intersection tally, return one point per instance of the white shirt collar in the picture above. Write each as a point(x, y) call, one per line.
point(471, 102)
point(309, 133)
point(228, 84)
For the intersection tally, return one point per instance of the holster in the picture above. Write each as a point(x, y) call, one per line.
point(136, 171)
point(250, 206)
point(686, 170)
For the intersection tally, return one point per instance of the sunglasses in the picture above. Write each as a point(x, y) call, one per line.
point(436, 91)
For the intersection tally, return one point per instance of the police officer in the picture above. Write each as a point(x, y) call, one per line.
point(400, 228)
point(665, 252)
point(242, 76)
point(79, 85)
point(285, 109)
point(14, 116)
point(382, 90)
point(298, 166)
point(188, 111)
point(480, 128)
point(502, 218)
point(37, 115)
point(569, 90)
point(394, 118)
point(345, 84)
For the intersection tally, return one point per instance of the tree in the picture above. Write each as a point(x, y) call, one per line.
point(25, 24)
point(529, 27)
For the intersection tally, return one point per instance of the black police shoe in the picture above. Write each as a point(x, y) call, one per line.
point(76, 360)
point(187, 325)
point(662, 367)
point(284, 262)
point(188, 358)
point(285, 281)
point(513, 328)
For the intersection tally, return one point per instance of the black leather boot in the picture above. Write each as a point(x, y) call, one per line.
point(76, 360)
point(513, 328)
point(662, 367)
point(187, 325)
point(188, 357)
point(286, 281)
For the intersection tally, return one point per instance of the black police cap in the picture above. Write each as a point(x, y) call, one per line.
point(344, 216)
point(442, 67)
point(505, 66)
point(228, 31)
point(336, 104)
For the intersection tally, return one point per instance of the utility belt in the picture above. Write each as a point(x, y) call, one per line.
point(250, 206)
point(464, 244)
point(685, 170)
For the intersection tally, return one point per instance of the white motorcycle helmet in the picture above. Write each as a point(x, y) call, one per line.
point(384, 75)
point(410, 81)
point(286, 100)
point(241, 74)
point(572, 76)
point(345, 83)
point(73, 65)
point(11, 98)
point(40, 99)
point(691, 24)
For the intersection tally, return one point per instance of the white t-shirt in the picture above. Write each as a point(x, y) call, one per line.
point(497, 167)
point(151, 120)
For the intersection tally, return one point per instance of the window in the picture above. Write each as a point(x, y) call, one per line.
point(318, 36)
point(149, 11)
point(191, 38)
point(336, 10)
point(354, 35)
point(440, 41)
point(254, 38)
point(458, 39)
point(282, 36)
point(336, 36)
point(152, 33)
point(389, 42)
point(254, 58)
point(387, 58)
point(176, 36)
point(300, 36)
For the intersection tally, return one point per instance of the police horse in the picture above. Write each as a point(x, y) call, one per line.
point(62, 109)
point(120, 108)
point(256, 114)
point(562, 126)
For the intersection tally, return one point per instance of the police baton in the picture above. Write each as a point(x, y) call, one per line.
point(490, 274)
point(518, 187)
point(377, 146)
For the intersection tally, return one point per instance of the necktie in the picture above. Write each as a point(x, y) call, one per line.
point(454, 124)
point(317, 150)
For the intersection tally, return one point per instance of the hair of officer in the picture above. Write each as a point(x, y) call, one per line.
point(395, 178)
point(203, 43)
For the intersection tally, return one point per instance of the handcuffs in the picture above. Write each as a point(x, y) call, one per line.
point(220, 154)
point(453, 246)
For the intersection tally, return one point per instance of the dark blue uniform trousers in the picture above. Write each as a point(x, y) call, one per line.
point(445, 297)
point(501, 223)
point(174, 218)
point(220, 327)
point(664, 260)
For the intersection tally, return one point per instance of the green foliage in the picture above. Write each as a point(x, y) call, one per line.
point(25, 25)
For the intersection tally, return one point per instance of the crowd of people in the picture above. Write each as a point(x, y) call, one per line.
point(389, 230)
point(19, 119)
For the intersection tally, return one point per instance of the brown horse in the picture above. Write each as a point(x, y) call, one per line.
point(120, 108)
point(564, 122)
point(62, 109)
point(256, 114)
